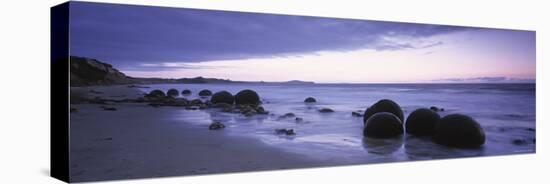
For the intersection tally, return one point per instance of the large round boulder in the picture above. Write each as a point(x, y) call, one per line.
point(205, 92)
point(247, 96)
point(172, 92)
point(383, 125)
point(186, 92)
point(156, 94)
point(222, 97)
point(422, 122)
point(384, 105)
point(457, 130)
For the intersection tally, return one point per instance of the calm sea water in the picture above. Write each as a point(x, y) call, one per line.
point(505, 111)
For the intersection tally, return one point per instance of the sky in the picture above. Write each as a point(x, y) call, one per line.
point(145, 41)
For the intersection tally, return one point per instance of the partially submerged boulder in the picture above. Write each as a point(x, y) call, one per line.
point(458, 130)
point(284, 131)
point(310, 100)
point(156, 94)
point(186, 92)
point(383, 125)
point(222, 97)
point(422, 122)
point(216, 126)
point(247, 96)
point(384, 105)
point(172, 92)
point(205, 92)
point(325, 110)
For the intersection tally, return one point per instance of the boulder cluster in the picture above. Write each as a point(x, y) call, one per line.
point(384, 119)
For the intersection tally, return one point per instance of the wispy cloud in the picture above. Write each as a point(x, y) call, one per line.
point(487, 80)
point(129, 34)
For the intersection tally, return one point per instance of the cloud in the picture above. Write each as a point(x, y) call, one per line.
point(128, 34)
point(487, 80)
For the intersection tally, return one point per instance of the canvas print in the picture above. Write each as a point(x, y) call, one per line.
point(159, 91)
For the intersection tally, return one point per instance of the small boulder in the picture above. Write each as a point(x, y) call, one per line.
point(73, 110)
point(299, 120)
point(261, 110)
point(205, 92)
point(222, 97)
point(287, 115)
point(172, 92)
point(284, 131)
point(186, 92)
point(106, 108)
point(457, 130)
point(356, 114)
point(384, 105)
point(196, 102)
point(422, 122)
point(247, 96)
point(216, 126)
point(436, 109)
point(326, 110)
point(156, 94)
point(310, 100)
point(383, 125)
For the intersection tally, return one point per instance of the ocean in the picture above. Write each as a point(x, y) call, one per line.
point(506, 112)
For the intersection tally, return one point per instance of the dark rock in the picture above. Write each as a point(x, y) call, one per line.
point(299, 120)
point(531, 129)
point(222, 97)
point(136, 86)
point(436, 109)
point(287, 115)
point(95, 92)
point(186, 92)
point(73, 110)
point(284, 131)
point(356, 114)
point(192, 108)
point(250, 112)
point(519, 142)
point(216, 126)
point(325, 110)
point(383, 125)
point(247, 96)
point(422, 122)
point(108, 108)
point(261, 110)
point(156, 94)
point(196, 102)
point(457, 130)
point(205, 92)
point(384, 105)
point(172, 92)
point(310, 100)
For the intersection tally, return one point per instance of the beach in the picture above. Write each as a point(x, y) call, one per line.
point(119, 140)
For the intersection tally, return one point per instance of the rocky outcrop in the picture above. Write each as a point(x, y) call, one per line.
point(90, 72)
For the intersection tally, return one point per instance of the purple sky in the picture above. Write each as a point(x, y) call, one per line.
point(145, 41)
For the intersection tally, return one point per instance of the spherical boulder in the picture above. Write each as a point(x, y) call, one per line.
point(310, 100)
point(457, 130)
point(205, 92)
point(186, 92)
point(222, 97)
point(384, 105)
point(383, 125)
point(422, 122)
point(156, 94)
point(247, 96)
point(172, 92)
